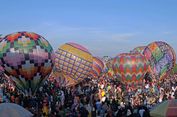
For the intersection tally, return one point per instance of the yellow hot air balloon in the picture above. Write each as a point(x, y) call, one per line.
point(74, 60)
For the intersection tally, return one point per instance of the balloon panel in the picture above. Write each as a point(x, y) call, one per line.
point(139, 49)
point(130, 67)
point(63, 79)
point(27, 58)
point(74, 60)
point(97, 67)
point(161, 57)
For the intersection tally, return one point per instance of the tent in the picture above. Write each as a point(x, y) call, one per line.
point(167, 108)
point(175, 69)
point(13, 110)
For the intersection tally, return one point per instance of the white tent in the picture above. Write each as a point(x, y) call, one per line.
point(13, 110)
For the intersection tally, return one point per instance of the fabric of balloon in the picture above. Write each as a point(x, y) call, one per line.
point(27, 58)
point(74, 60)
point(161, 57)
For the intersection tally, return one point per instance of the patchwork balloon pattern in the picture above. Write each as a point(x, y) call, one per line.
point(161, 57)
point(130, 68)
point(27, 58)
point(74, 60)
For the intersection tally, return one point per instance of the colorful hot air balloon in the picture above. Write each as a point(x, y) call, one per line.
point(27, 58)
point(110, 72)
point(63, 80)
point(97, 67)
point(130, 67)
point(74, 60)
point(139, 49)
point(161, 57)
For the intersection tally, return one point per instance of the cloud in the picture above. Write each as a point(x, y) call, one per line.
point(122, 36)
point(167, 32)
point(98, 40)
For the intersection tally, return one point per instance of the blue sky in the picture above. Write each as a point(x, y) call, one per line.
point(105, 27)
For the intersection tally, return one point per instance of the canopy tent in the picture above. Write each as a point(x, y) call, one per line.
point(13, 110)
point(175, 69)
point(167, 108)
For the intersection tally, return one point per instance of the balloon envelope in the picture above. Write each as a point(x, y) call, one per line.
point(139, 49)
point(63, 80)
point(161, 57)
point(74, 60)
point(130, 67)
point(27, 58)
point(97, 67)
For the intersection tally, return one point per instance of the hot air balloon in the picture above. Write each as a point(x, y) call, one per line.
point(27, 58)
point(63, 80)
point(130, 67)
point(161, 57)
point(74, 60)
point(110, 72)
point(97, 67)
point(138, 49)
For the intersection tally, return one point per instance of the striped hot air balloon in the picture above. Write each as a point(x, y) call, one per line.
point(97, 67)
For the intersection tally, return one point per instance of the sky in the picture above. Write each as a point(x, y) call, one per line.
point(104, 27)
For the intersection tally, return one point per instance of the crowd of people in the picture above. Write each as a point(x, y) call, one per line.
point(92, 98)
